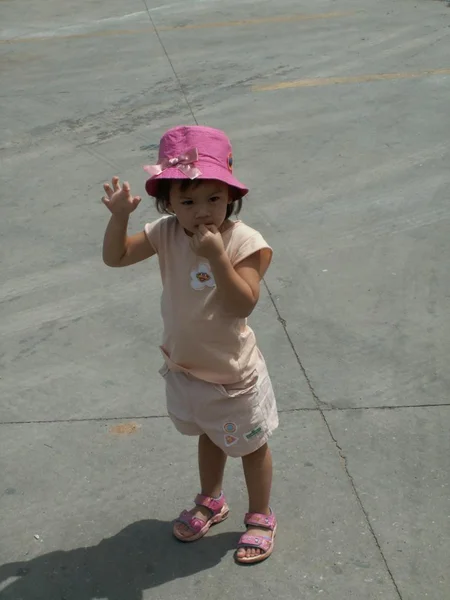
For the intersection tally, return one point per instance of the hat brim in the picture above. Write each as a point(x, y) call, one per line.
point(208, 172)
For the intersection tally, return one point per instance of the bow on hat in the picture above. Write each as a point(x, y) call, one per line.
point(184, 162)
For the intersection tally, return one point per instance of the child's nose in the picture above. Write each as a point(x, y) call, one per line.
point(202, 211)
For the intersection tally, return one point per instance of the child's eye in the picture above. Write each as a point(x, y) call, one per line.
point(214, 198)
point(186, 202)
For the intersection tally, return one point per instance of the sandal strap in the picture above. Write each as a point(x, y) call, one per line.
point(193, 523)
point(260, 520)
point(196, 524)
point(251, 541)
point(215, 505)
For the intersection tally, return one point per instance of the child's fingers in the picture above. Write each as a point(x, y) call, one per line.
point(108, 189)
point(197, 238)
point(105, 201)
point(126, 187)
point(116, 185)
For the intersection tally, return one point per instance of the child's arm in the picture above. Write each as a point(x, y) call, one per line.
point(119, 250)
point(237, 287)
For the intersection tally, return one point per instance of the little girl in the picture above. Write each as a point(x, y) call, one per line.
point(217, 384)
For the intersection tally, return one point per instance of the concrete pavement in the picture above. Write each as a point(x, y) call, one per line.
point(338, 116)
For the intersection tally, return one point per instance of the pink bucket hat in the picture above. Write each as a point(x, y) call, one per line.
point(193, 152)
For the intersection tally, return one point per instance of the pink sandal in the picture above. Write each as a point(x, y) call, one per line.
point(262, 542)
point(219, 512)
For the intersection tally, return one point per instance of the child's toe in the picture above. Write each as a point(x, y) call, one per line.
point(183, 530)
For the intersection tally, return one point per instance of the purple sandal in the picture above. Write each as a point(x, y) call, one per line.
point(219, 512)
point(262, 542)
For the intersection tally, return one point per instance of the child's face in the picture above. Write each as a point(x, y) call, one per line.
point(202, 203)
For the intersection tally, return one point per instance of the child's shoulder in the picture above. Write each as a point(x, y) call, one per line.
point(240, 231)
point(245, 241)
point(164, 222)
point(161, 229)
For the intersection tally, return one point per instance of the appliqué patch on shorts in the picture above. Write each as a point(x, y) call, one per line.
point(254, 433)
point(230, 440)
point(230, 427)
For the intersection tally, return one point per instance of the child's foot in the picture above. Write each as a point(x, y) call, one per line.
point(257, 532)
point(184, 531)
point(192, 525)
point(258, 541)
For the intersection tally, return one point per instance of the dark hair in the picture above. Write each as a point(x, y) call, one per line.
point(163, 195)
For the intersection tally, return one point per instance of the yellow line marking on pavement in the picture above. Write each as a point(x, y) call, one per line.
point(344, 80)
point(109, 32)
point(261, 21)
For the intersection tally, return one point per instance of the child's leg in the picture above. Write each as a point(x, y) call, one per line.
point(258, 476)
point(211, 462)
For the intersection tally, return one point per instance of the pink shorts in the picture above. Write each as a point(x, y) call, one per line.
point(238, 417)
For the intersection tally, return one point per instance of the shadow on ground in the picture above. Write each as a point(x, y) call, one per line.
point(141, 556)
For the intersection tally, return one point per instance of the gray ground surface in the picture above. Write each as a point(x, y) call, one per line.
point(348, 169)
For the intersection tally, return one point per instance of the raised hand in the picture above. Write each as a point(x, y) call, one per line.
point(207, 242)
point(118, 200)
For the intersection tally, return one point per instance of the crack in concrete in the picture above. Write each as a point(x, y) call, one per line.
point(361, 505)
point(147, 417)
point(283, 322)
point(322, 408)
point(387, 407)
point(361, 408)
point(177, 78)
point(84, 420)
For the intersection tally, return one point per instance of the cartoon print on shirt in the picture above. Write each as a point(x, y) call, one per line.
point(202, 277)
